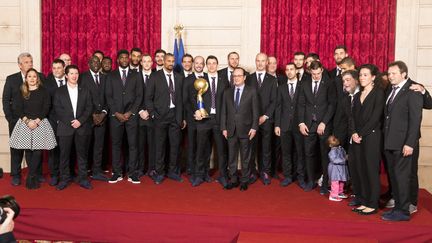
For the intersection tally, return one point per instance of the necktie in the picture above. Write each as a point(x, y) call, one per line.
point(392, 96)
point(213, 93)
point(237, 99)
point(61, 82)
point(315, 89)
point(123, 77)
point(298, 76)
point(231, 79)
point(352, 100)
point(338, 72)
point(259, 80)
point(97, 79)
point(146, 78)
point(291, 90)
point(171, 88)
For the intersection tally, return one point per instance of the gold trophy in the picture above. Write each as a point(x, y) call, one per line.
point(201, 86)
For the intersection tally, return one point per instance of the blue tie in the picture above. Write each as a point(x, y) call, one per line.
point(237, 99)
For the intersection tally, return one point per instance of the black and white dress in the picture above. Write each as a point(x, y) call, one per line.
point(36, 106)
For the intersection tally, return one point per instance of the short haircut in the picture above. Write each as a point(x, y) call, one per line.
point(340, 47)
point(187, 55)
point(353, 73)
point(160, 51)
point(231, 53)
point(107, 57)
point(121, 52)
point(212, 57)
point(22, 55)
point(348, 61)
point(299, 53)
point(401, 65)
point(98, 52)
point(169, 54)
point(145, 55)
point(315, 65)
point(72, 66)
point(58, 60)
point(289, 64)
point(136, 49)
point(240, 68)
point(313, 55)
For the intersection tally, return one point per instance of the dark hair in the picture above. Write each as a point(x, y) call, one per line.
point(72, 66)
point(244, 71)
point(233, 52)
point(169, 54)
point(313, 55)
point(353, 73)
point(212, 57)
point(160, 51)
point(58, 60)
point(348, 60)
point(340, 47)
point(374, 72)
point(187, 55)
point(290, 63)
point(107, 57)
point(333, 141)
point(401, 65)
point(121, 52)
point(136, 49)
point(98, 51)
point(315, 65)
point(299, 53)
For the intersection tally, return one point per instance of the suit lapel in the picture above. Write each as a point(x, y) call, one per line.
point(401, 93)
point(68, 99)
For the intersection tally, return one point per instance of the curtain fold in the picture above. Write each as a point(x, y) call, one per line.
point(366, 27)
point(79, 27)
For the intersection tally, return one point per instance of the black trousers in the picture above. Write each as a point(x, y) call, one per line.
point(400, 171)
point(118, 130)
point(276, 157)
point(16, 155)
point(96, 148)
point(261, 148)
point(206, 133)
point(316, 155)
point(365, 158)
point(146, 148)
point(292, 149)
point(81, 143)
point(191, 146)
point(34, 160)
point(414, 184)
point(245, 146)
point(167, 130)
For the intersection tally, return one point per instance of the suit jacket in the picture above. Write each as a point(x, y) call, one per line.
point(157, 96)
point(97, 91)
point(223, 73)
point(332, 73)
point(222, 85)
point(11, 89)
point(143, 105)
point(125, 98)
point(403, 118)
point(367, 117)
point(246, 118)
point(286, 114)
point(266, 96)
point(322, 105)
point(51, 86)
point(63, 109)
point(188, 99)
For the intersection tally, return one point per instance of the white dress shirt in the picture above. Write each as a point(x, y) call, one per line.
point(168, 83)
point(73, 94)
point(400, 85)
point(212, 110)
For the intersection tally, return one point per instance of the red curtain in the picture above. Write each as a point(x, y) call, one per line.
point(79, 27)
point(366, 27)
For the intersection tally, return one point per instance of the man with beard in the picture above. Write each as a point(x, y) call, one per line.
point(159, 59)
point(340, 52)
point(99, 54)
point(187, 61)
point(135, 55)
point(124, 96)
point(106, 65)
point(233, 62)
point(299, 62)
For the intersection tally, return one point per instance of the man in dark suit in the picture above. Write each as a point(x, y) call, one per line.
point(146, 137)
point(316, 110)
point(11, 90)
point(124, 96)
point(299, 61)
point(266, 87)
point(209, 128)
point(95, 82)
point(159, 59)
point(165, 105)
point(310, 57)
point(55, 80)
point(403, 114)
point(239, 124)
point(339, 53)
point(73, 106)
point(286, 127)
point(135, 59)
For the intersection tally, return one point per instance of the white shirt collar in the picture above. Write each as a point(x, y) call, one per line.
point(401, 84)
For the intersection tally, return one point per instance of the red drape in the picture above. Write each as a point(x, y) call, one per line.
point(79, 27)
point(366, 27)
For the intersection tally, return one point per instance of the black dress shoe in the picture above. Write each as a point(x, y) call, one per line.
point(356, 210)
point(354, 203)
point(243, 187)
point(86, 185)
point(368, 213)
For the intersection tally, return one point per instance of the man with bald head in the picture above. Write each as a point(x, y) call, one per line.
point(266, 86)
point(66, 59)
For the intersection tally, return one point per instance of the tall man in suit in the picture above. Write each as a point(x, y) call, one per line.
point(165, 105)
point(266, 86)
point(159, 59)
point(135, 59)
point(209, 128)
point(286, 121)
point(11, 90)
point(95, 82)
point(316, 110)
point(55, 80)
point(73, 106)
point(146, 127)
point(299, 61)
point(239, 125)
point(339, 53)
point(124, 96)
point(403, 115)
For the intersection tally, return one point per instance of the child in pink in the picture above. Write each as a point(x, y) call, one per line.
point(337, 169)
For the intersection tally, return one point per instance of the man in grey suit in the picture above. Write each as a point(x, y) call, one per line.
point(239, 124)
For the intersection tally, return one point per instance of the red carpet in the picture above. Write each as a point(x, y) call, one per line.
point(177, 212)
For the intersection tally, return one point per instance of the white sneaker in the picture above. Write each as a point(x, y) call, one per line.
point(390, 203)
point(335, 199)
point(412, 208)
point(319, 182)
